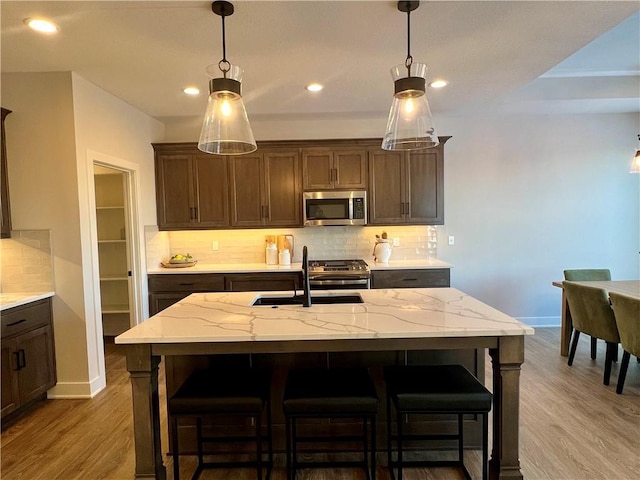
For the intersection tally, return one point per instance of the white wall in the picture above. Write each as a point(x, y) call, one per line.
point(529, 196)
point(526, 196)
point(43, 188)
point(57, 118)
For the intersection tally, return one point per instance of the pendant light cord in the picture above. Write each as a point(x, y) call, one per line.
point(224, 64)
point(409, 60)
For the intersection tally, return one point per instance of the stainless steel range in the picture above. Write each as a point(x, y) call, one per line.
point(336, 274)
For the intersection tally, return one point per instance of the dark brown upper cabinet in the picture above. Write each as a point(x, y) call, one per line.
point(195, 190)
point(265, 188)
point(191, 188)
point(328, 168)
point(407, 187)
point(4, 185)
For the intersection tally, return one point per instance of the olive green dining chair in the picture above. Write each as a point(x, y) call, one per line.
point(587, 275)
point(627, 313)
point(592, 314)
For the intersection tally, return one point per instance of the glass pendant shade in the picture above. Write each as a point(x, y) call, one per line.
point(410, 124)
point(226, 129)
point(635, 163)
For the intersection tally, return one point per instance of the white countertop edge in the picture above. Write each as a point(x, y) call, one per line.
point(16, 299)
point(408, 264)
point(227, 268)
point(307, 337)
point(294, 267)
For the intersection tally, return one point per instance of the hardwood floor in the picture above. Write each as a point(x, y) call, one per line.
point(572, 428)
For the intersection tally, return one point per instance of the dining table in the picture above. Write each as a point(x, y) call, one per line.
point(386, 320)
point(630, 288)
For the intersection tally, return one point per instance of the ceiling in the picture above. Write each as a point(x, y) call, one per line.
point(535, 56)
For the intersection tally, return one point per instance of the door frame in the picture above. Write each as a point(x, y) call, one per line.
point(135, 231)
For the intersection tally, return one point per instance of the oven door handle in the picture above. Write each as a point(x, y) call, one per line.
point(335, 281)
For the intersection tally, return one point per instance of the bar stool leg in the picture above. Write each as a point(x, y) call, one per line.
point(269, 440)
point(259, 446)
point(460, 441)
point(176, 453)
point(389, 435)
point(288, 446)
point(365, 443)
point(373, 448)
point(485, 446)
point(399, 443)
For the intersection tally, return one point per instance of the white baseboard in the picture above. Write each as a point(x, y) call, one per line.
point(75, 390)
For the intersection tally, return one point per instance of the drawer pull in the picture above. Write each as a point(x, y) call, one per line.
point(16, 322)
point(409, 279)
point(186, 284)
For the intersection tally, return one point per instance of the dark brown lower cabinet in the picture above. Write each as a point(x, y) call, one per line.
point(411, 278)
point(28, 358)
point(167, 289)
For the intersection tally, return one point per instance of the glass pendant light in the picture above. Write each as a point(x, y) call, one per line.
point(226, 129)
point(635, 163)
point(410, 125)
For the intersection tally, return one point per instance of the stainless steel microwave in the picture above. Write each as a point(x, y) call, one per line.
point(335, 208)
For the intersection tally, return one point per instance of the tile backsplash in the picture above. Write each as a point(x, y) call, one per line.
point(248, 246)
point(26, 262)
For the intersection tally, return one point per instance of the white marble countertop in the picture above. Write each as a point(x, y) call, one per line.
point(16, 299)
point(397, 313)
point(408, 264)
point(226, 268)
point(294, 267)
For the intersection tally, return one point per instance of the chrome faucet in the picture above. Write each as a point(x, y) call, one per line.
point(306, 297)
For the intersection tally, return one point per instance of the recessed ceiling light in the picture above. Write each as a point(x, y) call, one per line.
point(438, 84)
point(314, 87)
point(191, 90)
point(41, 25)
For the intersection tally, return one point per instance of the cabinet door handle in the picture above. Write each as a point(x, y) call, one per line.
point(191, 217)
point(16, 322)
point(195, 213)
point(265, 211)
point(17, 354)
point(24, 358)
point(408, 208)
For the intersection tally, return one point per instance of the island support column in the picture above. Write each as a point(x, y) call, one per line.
point(506, 362)
point(143, 372)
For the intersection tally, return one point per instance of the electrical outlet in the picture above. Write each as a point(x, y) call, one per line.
point(396, 241)
point(215, 246)
point(452, 240)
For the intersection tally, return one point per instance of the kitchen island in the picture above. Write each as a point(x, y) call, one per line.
point(387, 320)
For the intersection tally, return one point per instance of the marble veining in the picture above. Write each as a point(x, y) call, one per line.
point(390, 313)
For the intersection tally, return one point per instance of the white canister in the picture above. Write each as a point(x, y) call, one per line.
point(271, 254)
point(284, 257)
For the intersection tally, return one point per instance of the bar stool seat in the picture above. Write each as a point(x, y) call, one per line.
point(241, 392)
point(330, 393)
point(434, 389)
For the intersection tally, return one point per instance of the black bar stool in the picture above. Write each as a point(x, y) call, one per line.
point(330, 393)
point(241, 392)
point(434, 389)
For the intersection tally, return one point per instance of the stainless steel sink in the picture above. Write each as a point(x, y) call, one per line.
point(315, 300)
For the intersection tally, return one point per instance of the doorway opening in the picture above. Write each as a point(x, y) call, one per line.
point(113, 221)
